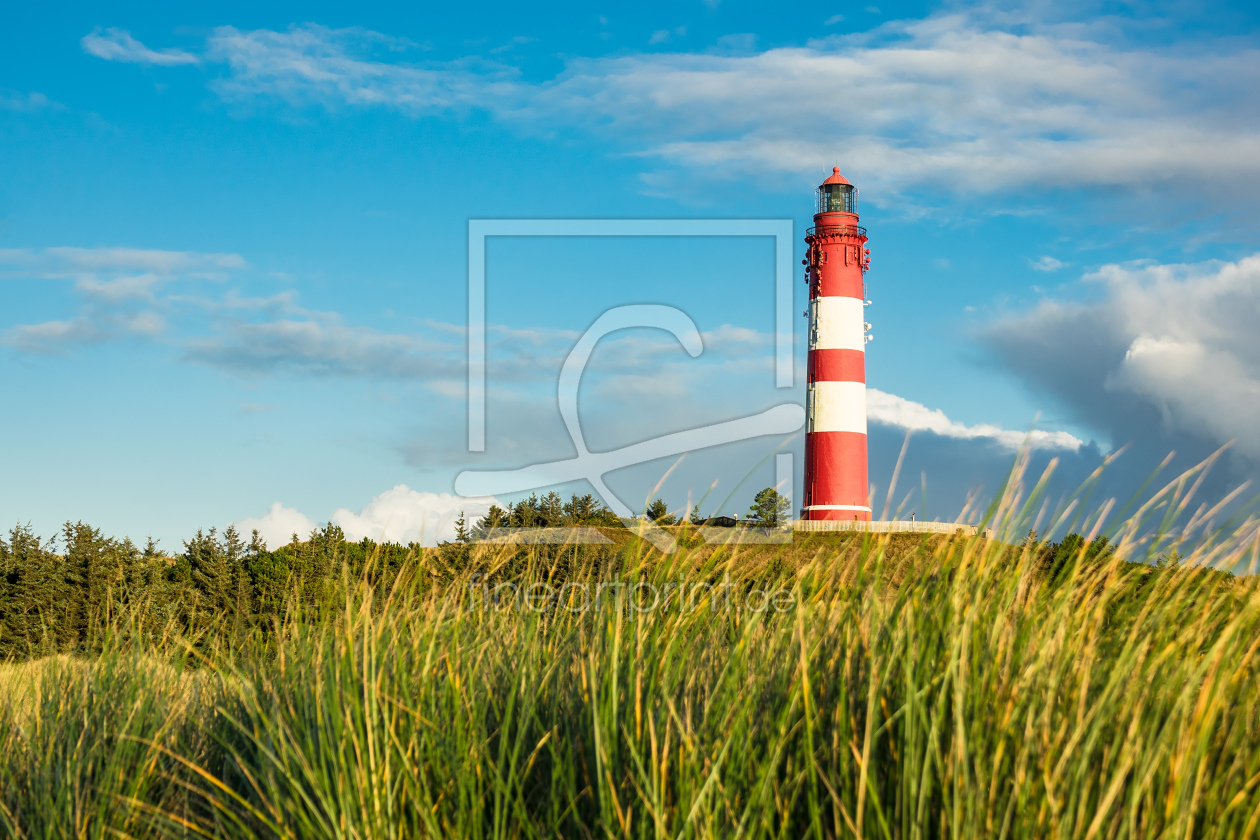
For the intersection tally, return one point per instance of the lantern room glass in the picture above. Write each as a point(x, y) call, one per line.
point(836, 198)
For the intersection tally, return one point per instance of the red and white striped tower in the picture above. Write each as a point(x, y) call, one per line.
point(835, 441)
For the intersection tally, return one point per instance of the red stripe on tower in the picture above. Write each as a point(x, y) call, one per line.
point(835, 441)
point(837, 366)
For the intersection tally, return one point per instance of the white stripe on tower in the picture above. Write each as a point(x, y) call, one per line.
point(840, 321)
point(840, 407)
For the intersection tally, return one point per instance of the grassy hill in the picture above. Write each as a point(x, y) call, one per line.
point(840, 685)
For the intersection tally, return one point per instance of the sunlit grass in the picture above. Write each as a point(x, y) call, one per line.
point(916, 688)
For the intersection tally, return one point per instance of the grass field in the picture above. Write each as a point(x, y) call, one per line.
point(899, 687)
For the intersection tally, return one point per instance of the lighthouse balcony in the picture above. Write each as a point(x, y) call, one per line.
point(837, 230)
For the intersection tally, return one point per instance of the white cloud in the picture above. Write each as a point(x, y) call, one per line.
point(1197, 388)
point(1177, 339)
point(951, 101)
point(403, 515)
point(277, 525)
point(891, 410)
point(313, 63)
point(1046, 264)
point(117, 45)
point(833, 20)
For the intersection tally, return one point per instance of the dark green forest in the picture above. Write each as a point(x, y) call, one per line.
point(58, 594)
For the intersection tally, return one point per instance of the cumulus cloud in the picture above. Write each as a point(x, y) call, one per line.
point(117, 45)
point(891, 410)
point(400, 515)
point(403, 515)
point(278, 525)
point(1165, 356)
point(1197, 387)
point(960, 101)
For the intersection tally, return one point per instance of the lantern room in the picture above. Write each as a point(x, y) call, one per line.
point(836, 195)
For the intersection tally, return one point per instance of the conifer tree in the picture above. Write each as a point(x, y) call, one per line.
point(658, 512)
point(496, 517)
point(211, 575)
point(35, 613)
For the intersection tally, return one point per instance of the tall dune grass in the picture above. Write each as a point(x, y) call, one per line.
point(914, 689)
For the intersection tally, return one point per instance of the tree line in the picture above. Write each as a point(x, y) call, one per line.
point(769, 509)
point(64, 593)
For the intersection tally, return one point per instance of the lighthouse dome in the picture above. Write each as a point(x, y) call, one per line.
point(836, 195)
point(836, 177)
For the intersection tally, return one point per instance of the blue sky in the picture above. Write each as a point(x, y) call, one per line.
point(233, 244)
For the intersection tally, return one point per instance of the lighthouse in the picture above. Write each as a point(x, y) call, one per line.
point(835, 441)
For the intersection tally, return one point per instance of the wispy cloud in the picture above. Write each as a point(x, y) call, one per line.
point(1046, 264)
point(324, 346)
point(52, 337)
point(958, 101)
point(56, 338)
point(333, 67)
point(12, 100)
point(117, 45)
point(65, 261)
point(120, 291)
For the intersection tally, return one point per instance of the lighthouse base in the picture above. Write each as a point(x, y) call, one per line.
point(900, 526)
